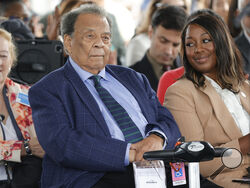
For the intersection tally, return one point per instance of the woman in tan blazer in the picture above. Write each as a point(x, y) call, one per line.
point(212, 101)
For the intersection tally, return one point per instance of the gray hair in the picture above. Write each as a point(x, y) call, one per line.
point(69, 19)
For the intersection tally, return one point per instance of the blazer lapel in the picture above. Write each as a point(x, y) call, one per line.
point(85, 96)
point(221, 112)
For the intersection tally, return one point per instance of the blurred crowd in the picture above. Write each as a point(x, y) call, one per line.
point(130, 21)
point(204, 45)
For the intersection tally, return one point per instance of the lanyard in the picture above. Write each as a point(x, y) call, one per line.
point(13, 120)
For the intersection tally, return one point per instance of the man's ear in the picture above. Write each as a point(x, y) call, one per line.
point(150, 31)
point(67, 43)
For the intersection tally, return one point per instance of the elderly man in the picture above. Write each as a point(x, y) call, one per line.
point(94, 119)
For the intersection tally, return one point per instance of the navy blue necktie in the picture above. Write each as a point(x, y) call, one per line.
point(130, 131)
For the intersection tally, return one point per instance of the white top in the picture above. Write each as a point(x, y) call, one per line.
point(233, 104)
point(10, 134)
point(137, 48)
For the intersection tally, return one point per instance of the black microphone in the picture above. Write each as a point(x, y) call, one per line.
point(186, 152)
point(160, 155)
point(218, 152)
point(2, 117)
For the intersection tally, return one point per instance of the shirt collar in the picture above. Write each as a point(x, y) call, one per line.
point(85, 75)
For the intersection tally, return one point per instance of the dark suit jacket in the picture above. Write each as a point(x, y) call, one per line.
point(73, 132)
point(244, 47)
point(145, 67)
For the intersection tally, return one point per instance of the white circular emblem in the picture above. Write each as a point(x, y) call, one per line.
point(195, 146)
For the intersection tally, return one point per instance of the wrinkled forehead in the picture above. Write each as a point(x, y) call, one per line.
point(91, 21)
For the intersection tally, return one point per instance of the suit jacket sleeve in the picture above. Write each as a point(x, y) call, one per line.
point(163, 119)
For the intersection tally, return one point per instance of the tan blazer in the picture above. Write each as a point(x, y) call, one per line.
point(202, 115)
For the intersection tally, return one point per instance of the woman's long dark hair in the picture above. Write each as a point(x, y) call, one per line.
point(229, 61)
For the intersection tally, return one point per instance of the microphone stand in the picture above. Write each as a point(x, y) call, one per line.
point(194, 175)
point(191, 152)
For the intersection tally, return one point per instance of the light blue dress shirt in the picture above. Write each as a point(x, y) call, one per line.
point(122, 95)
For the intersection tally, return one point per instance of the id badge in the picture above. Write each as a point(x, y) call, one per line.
point(178, 174)
point(149, 174)
point(22, 98)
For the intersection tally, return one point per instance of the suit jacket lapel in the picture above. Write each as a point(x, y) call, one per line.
point(85, 96)
point(131, 85)
point(221, 112)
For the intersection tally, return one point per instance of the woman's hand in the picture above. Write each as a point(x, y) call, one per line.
point(35, 148)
